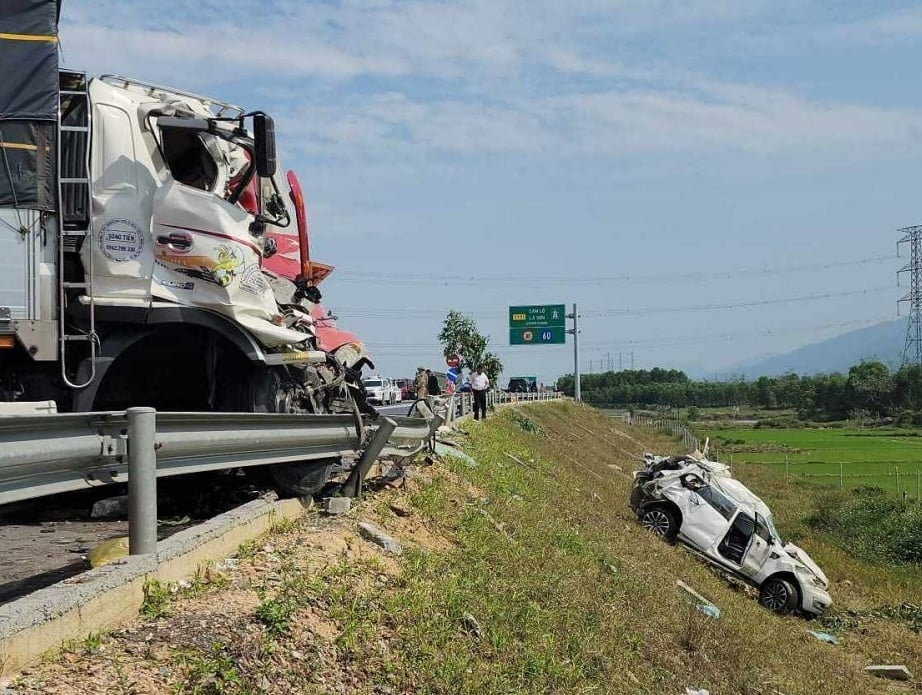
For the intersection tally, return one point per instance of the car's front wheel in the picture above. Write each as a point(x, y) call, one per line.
point(661, 522)
point(779, 595)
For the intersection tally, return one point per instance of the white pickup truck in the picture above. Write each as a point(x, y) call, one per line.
point(382, 390)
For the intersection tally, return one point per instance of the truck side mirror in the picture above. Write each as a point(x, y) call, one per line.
point(264, 145)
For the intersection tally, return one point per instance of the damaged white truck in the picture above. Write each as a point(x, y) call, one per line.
point(697, 503)
point(153, 253)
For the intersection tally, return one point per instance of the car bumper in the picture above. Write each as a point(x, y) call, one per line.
point(816, 601)
point(639, 494)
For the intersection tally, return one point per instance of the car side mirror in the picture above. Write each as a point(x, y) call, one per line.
point(264, 145)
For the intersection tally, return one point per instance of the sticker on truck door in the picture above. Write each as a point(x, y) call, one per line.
point(121, 239)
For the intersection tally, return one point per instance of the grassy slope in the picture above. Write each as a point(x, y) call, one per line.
point(567, 593)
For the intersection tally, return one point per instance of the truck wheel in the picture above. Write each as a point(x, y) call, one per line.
point(303, 478)
point(661, 522)
point(779, 595)
point(263, 391)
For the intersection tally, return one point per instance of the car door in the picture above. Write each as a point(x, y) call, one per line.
point(759, 549)
point(702, 524)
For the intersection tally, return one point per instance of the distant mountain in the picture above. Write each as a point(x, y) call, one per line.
point(882, 341)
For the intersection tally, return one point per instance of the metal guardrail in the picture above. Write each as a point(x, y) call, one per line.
point(460, 403)
point(48, 454)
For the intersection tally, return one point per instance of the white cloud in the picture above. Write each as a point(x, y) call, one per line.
point(520, 76)
point(893, 26)
point(467, 39)
point(716, 120)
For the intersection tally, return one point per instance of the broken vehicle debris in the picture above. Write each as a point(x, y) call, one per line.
point(698, 503)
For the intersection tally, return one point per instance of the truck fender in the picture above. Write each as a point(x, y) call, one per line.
point(146, 324)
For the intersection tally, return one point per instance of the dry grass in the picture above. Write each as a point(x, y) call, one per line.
point(522, 575)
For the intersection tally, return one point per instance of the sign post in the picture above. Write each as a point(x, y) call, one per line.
point(577, 396)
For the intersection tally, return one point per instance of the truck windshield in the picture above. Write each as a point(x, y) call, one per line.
point(372, 382)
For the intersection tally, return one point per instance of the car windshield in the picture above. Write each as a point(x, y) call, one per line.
point(372, 382)
point(771, 526)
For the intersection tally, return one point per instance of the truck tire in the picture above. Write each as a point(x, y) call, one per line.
point(262, 391)
point(303, 478)
point(779, 595)
point(660, 521)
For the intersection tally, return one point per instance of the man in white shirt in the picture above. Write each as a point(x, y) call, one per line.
point(480, 383)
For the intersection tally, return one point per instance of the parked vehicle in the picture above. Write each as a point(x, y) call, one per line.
point(160, 257)
point(405, 386)
point(522, 384)
point(696, 502)
point(381, 390)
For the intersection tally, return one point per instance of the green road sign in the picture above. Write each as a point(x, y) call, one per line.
point(548, 335)
point(538, 316)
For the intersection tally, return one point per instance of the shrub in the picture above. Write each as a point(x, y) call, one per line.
point(871, 524)
point(781, 423)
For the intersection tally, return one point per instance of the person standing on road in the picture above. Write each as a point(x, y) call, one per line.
point(433, 383)
point(422, 384)
point(480, 383)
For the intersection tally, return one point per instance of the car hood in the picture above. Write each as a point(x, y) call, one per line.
point(801, 556)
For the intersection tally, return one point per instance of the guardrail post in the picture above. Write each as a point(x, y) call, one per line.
point(353, 484)
point(142, 481)
point(434, 424)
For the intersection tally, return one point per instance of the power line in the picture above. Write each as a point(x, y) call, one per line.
point(391, 313)
point(433, 279)
point(669, 341)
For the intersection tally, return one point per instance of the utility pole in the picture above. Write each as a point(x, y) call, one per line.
point(632, 360)
point(575, 331)
point(912, 349)
point(620, 363)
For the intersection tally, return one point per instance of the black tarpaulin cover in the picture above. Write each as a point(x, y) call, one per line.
point(28, 101)
point(29, 59)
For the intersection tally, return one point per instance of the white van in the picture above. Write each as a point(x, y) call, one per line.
point(382, 390)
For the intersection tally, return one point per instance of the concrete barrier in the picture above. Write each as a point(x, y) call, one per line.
point(110, 596)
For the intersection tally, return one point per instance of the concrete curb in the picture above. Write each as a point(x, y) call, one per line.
point(110, 596)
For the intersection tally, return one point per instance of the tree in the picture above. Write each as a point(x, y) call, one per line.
point(869, 385)
point(459, 336)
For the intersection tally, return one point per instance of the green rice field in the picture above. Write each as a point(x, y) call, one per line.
point(887, 458)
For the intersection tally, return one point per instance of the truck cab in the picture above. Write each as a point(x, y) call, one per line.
point(154, 253)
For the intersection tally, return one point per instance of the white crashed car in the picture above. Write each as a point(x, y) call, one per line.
point(696, 502)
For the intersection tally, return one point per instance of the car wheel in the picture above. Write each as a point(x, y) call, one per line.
point(779, 595)
point(661, 522)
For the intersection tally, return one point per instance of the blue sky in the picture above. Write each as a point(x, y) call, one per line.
point(654, 161)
